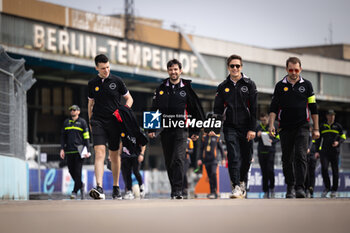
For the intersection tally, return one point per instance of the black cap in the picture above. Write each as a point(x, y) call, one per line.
point(74, 107)
point(330, 112)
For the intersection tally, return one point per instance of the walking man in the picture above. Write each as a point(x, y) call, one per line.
point(292, 99)
point(328, 148)
point(177, 102)
point(266, 155)
point(75, 133)
point(236, 99)
point(104, 92)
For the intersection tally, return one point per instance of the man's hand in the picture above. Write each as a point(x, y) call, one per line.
point(317, 155)
point(315, 134)
point(250, 135)
point(335, 144)
point(272, 130)
point(152, 135)
point(62, 154)
point(258, 134)
point(212, 133)
point(199, 162)
point(140, 158)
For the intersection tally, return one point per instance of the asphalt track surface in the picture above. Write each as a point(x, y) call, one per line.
point(180, 216)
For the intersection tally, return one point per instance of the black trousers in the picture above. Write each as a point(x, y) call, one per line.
point(333, 158)
point(130, 164)
point(187, 163)
point(174, 143)
point(267, 161)
point(310, 175)
point(211, 171)
point(294, 143)
point(75, 165)
point(239, 154)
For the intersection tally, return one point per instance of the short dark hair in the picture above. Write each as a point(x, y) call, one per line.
point(232, 57)
point(101, 58)
point(263, 114)
point(293, 60)
point(173, 62)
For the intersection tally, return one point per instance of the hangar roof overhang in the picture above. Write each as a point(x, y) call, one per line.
point(60, 68)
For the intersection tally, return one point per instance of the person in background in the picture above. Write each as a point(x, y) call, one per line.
point(131, 162)
point(311, 167)
point(75, 133)
point(292, 99)
point(209, 157)
point(328, 148)
point(266, 155)
point(187, 162)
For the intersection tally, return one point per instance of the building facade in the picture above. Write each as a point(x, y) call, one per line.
point(59, 44)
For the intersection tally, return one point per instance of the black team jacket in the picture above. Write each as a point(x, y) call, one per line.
point(132, 135)
point(164, 104)
point(237, 103)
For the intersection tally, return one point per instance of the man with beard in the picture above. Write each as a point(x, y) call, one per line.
point(176, 99)
point(292, 99)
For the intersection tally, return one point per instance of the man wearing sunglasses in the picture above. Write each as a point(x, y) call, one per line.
point(236, 100)
point(75, 132)
point(291, 102)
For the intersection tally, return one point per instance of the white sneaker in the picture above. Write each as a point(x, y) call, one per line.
point(129, 195)
point(242, 186)
point(236, 192)
point(142, 191)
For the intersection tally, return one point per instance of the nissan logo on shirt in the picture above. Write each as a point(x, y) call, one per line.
point(244, 89)
point(182, 93)
point(301, 89)
point(112, 86)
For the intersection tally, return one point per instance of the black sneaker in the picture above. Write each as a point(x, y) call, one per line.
point(300, 193)
point(116, 193)
point(177, 196)
point(290, 192)
point(311, 191)
point(97, 193)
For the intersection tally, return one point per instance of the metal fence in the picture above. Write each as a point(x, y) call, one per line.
point(14, 83)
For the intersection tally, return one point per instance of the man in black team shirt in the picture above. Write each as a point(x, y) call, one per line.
point(236, 101)
point(105, 91)
point(291, 101)
point(175, 97)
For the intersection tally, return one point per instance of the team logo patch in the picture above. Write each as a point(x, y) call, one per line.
point(244, 89)
point(112, 86)
point(161, 92)
point(285, 88)
point(182, 93)
point(122, 135)
point(301, 89)
point(227, 89)
point(97, 88)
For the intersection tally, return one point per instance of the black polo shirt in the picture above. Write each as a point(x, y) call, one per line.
point(292, 103)
point(106, 94)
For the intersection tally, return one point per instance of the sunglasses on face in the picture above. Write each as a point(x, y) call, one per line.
point(235, 65)
point(295, 70)
point(73, 110)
